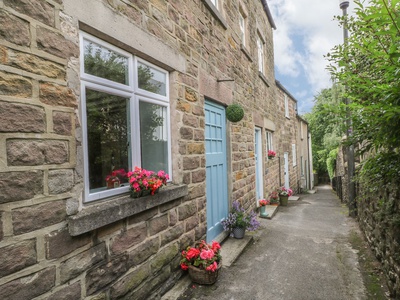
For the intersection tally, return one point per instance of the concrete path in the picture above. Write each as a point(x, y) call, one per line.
point(303, 253)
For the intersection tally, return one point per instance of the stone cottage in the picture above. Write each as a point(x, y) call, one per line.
point(95, 86)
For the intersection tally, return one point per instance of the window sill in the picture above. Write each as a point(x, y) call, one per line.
point(216, 13)
point(246, 52)
point(99, 214)
point(261, 75)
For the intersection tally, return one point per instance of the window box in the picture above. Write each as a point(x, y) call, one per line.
point(102, 213)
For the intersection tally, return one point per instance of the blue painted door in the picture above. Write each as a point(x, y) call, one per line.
point(259, 168)
point(216, 169)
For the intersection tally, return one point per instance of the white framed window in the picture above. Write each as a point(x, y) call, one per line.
point(286, 107)
point(125, 117)
point(215, 3)
point(301, 130)
point(269, 141)
point(294, 155)
point(260, 51)
point(242, 26)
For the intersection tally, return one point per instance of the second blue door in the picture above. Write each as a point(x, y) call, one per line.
point(216, 169)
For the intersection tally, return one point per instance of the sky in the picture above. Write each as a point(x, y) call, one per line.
point(306, 31)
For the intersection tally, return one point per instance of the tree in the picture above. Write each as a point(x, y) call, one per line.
point(326, 126)
point(369, 65)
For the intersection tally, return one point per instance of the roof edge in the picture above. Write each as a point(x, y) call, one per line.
point(268, 12)
point(285, 90)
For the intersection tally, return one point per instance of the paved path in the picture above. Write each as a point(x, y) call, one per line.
point(301, 254)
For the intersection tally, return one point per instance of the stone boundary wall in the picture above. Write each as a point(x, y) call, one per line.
point(379, 218)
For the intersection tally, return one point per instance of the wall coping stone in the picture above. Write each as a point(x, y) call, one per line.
point(96, 215)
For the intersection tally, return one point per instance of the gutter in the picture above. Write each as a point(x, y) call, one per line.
point(268, 12)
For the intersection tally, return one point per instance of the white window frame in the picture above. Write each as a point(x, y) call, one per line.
point(269, 142)
point(242, 27)
point(260, 51)
point(294, 155)
point(130, 91)
point(215, 3)
point(287, 107)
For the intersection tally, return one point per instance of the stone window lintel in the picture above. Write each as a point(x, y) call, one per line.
point(102, 213)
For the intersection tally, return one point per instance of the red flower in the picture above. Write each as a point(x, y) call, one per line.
point(203, 256)
point(192, 253)
point(215, 246)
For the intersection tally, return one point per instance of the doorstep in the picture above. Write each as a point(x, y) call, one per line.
point(271, 211)
point(294, 198)
point(230, 251)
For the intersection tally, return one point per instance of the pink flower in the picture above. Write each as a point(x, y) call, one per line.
point(206, 254)
point(184, 266)
point(213, 267)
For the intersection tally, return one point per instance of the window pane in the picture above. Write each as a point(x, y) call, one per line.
point(107, 131)
point(151, 80)
point(153, 136)
point(102, 62)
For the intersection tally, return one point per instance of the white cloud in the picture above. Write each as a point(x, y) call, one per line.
point(306, 31)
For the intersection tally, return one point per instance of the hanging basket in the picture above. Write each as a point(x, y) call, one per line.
point(234, 113)
point(202, 276)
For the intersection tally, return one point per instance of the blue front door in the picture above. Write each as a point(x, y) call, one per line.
point(216, 170)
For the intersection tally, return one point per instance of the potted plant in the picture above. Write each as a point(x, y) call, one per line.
point(114, 179)
point(284, 194)
point(202, 262)
point(238, 221)
point(274, 198)
point(271, 154)
point(263, 203)
point(144, 182)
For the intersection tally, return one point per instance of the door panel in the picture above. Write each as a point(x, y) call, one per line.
point(216, 169)
point(286, 168)
point(259, 168)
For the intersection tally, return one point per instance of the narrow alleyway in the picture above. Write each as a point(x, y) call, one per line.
point(303, 253)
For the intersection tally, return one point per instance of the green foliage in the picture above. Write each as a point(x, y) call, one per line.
point(331, 162)
point(369, 65)
point(326, 125)
point(234, 113)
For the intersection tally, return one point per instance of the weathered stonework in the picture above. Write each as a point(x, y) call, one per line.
point(17, 186)
point(122, 247)
point(17, 257)
point(21, 118)
point(36, 152)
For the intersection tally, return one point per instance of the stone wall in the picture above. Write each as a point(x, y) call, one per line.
point(379, 217)
point(52, 244)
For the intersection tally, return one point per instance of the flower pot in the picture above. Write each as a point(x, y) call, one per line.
point(238, 233)
point(142, 193)
point(263, 213)
point(202, 276)
point(284, 200)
